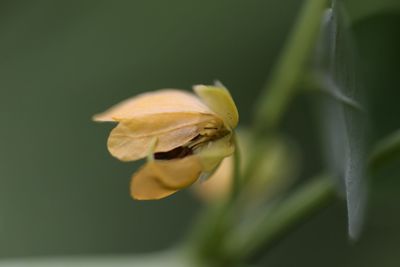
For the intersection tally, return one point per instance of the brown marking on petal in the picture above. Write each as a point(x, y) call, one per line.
point(176, 153)
point(208, 134)
point(131, 138)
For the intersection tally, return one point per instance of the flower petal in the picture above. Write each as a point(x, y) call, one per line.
point(161, 178)
point(178, 173)
point(212, 155)
point(161, 101)
point(131, 138)
point(146, 186)
point(219, 100)
point(218, 185)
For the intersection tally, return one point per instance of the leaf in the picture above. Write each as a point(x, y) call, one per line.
point(155, 259)
point(385, 150)
point(361, 10)
point(343, 118)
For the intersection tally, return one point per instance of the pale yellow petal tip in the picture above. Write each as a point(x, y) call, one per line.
point(219, 100)
point(101, 117)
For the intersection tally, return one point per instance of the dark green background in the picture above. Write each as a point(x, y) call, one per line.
point(62, 61)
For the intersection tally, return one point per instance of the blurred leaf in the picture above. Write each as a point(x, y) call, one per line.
point(62, 61)
point(385, 150)
point(363, 9)
point(343, 119)
point(166, 259)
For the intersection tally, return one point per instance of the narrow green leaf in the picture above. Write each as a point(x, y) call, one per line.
point(343, 118)
point(385, 150)
point(281, 218)
point(156, 259)
point(361, 10)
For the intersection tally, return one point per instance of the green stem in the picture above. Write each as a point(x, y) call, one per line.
point(282, 84)
point(299, 206)
point(236, 182)
point(385, 150)
point(274, 101)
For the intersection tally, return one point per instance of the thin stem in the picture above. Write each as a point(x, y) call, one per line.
point(282, 84)
point(278, 93)
point(298, 207)
point(255, 157)
point(212, 232)
point(236, 182)
point(385, 150)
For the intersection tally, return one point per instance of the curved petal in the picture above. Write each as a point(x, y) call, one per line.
point(161, 101)
point(130, 140)
point(161, 178)
point(218, 185)
point(146, 186)
point(212, 155)
point(178, 173)
point(219, 100)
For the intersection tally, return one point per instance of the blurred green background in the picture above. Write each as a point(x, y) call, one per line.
point(61, 193)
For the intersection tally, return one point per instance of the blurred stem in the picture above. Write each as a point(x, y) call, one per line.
point(236, 182)
point(219, 229)
point(298, 207)
point(385, 150)
point(219, 222)
point(281, 86)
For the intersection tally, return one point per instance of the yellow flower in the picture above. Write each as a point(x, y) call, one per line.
point(184, 136)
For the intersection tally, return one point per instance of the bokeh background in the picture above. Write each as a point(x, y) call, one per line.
point(61, 193)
